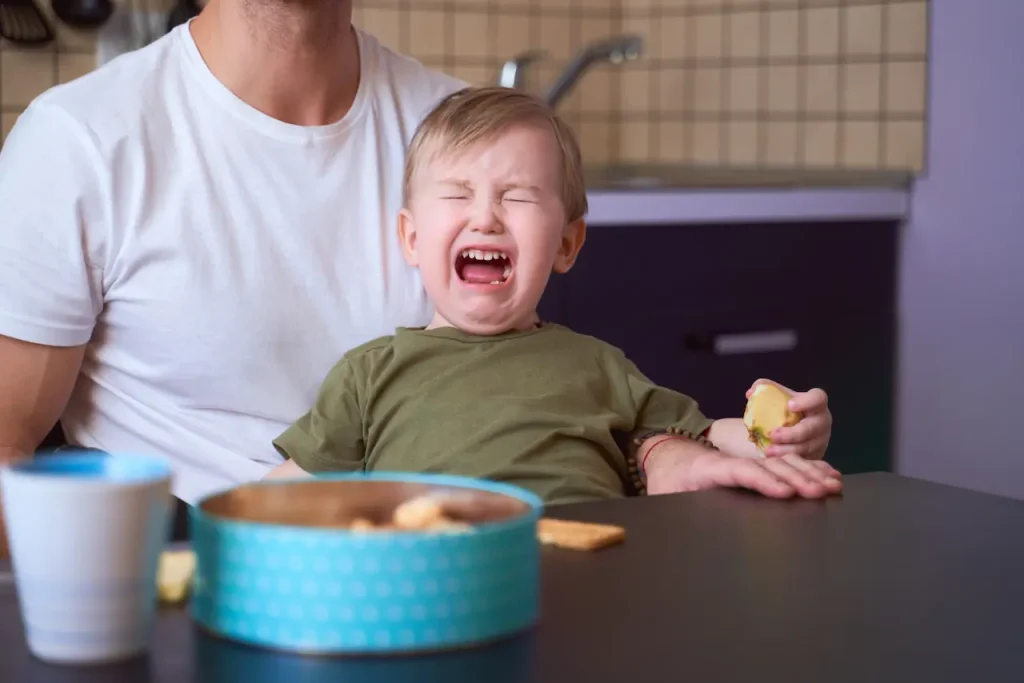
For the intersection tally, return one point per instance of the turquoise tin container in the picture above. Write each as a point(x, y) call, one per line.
point(277, 567)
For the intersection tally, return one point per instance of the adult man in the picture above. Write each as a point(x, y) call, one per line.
point(193, 233)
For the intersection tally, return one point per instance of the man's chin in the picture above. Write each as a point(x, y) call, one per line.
point(305, 5)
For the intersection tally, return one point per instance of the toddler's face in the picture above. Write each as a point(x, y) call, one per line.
point(487, 227)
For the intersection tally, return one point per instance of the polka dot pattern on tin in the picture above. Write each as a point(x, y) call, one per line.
point(323, 591)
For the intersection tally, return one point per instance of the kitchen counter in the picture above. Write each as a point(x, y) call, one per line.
point(652, 194)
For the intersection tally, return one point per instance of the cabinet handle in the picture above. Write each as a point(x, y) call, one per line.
point(768, 341)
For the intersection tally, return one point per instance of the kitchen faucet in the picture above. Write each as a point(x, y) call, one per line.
point(615, 50)
point(513, 71)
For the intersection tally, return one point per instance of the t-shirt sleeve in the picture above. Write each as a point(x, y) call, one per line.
point(53, 222)
point(659, 408)
point(329, 437)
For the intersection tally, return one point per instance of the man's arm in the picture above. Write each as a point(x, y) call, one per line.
point(35, 384)
point(54, 198)
point(289, 469)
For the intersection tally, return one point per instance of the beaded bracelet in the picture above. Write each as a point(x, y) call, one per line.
point(637, 473)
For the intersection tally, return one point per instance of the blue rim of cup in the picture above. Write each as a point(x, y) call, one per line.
point(91, 466)
point(534, 503)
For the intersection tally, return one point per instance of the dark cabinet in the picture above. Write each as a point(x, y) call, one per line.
point(707, 309)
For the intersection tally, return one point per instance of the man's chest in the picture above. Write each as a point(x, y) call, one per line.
point(235, 284)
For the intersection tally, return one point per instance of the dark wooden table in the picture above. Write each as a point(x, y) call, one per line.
point(899, 580)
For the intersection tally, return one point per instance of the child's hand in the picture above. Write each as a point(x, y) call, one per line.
point(809, 438)
point(675, 470)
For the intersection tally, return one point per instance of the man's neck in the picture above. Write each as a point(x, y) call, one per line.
point(295, 60)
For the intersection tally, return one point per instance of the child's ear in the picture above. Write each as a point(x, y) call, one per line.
point(569, 248)
point(407, 237)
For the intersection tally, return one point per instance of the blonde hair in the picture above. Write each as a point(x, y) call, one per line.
point(481, 114)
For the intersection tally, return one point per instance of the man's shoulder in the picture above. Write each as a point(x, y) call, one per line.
point(405, 82)
point(112, 95)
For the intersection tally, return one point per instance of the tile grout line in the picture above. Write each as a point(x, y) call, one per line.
point(724, 84)
point(764, 50)
point(883, 90)
point(802, 84)
point(684, 10)
point(712, 62)
point(689, 86)
point(840, 142)
point(653, 94)
point(755, 117)
point(615, 94)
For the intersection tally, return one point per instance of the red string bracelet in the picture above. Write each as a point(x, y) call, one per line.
point(673, 437)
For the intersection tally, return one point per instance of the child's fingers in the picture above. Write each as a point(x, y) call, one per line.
point(809, 401)
point(808, 484)
point(807, 429)
point(817, 470)
point(810, 450)
point(825, 467)
point(751, 474)
point(800, 450)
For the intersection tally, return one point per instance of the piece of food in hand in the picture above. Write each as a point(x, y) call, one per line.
point(578, 535)
point(767, 410)
point(174, 575)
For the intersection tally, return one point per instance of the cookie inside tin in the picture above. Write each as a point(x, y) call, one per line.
point(339, 503)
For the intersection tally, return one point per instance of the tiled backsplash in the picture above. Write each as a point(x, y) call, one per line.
point(777, 83)
point(24, 73)
point(471, 39)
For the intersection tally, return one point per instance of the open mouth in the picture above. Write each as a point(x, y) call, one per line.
point(483, 267)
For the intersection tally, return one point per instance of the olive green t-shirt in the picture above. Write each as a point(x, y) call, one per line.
point(535, 408)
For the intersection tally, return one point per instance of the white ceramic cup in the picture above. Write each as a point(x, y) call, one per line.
point(86, 531)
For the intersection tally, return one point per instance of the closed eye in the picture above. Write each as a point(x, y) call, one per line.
point(455, 197)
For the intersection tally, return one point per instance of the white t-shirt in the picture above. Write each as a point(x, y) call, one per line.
point(218, 261)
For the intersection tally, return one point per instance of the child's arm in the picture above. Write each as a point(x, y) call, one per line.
point(329, 436)
point(730, 437)
point(674, 465)
point(289, 469)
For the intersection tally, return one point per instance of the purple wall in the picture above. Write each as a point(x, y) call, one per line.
point(961, 394)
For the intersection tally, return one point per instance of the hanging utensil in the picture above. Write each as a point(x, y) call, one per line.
point(83, 14)
point(22, 23)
